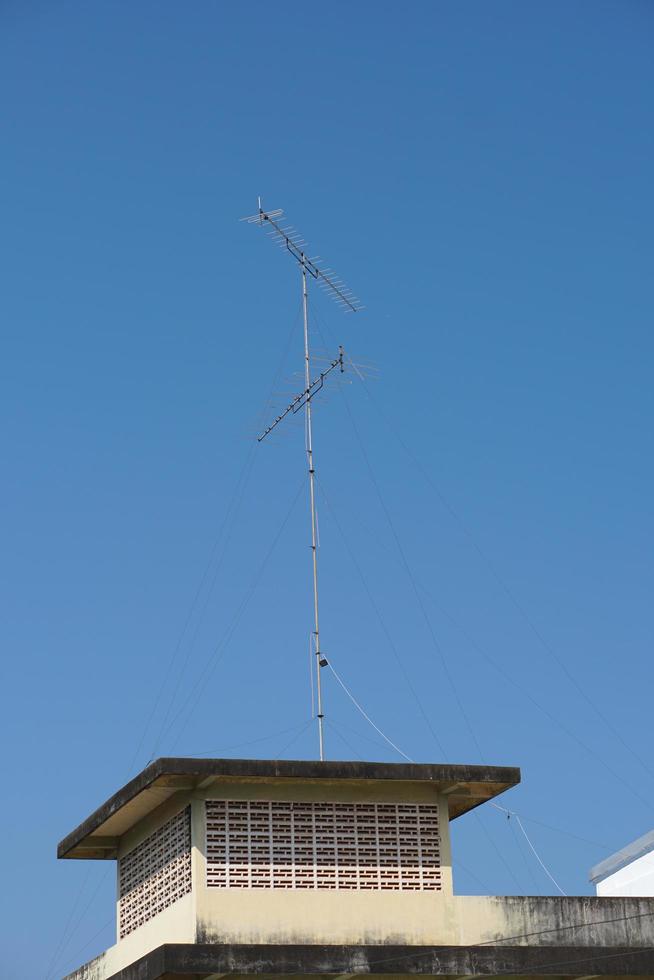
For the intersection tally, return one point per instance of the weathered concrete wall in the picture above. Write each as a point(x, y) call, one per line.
point(423, 919)
point(460, 921)
point(555, 921)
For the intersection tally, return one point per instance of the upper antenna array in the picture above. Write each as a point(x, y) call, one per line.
point(289, 238)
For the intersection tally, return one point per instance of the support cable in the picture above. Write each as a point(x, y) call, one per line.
point(231, 516)
point(437, 646)
point(295, 738)
point(242, 745)
point(520, 688)
point(232, 510)
point(335, 728)
point(504, 586)
point(72, 959)
point(381, 620)
point(210, 666)
point(414, 586)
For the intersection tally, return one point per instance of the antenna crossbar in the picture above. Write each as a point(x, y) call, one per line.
point(289, 238)
point(300, 400)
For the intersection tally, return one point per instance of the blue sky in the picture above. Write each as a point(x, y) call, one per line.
point(481, 175)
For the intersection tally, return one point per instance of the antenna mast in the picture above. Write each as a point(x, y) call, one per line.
point(312, 496)
point(290, 240)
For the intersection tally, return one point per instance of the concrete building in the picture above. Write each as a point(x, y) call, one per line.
point(628, 872)
point(239, 867)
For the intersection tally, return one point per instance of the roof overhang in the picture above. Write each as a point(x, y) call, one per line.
point(97, 837)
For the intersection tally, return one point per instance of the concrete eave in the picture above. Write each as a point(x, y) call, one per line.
point(98, 836)
point(202, 962)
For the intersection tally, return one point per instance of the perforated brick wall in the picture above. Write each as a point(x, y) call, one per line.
point(155, 874)
point(374, 846)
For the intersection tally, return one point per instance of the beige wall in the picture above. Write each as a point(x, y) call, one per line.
point(321, 916)
point(176, 924)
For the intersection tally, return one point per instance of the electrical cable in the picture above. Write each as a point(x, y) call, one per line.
point(538, 857)
point(413, 582)
point(366, 738)
point(364, 713)
point(382, 622)
point(520, 848)
point(375, 606)
point(520, 609)
point(499, 854)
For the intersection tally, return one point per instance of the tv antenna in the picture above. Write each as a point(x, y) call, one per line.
point(311, 267)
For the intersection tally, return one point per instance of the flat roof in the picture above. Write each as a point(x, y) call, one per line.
point(631, 852)
point(98, 836)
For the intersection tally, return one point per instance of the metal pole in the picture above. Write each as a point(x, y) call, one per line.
point(312, 495)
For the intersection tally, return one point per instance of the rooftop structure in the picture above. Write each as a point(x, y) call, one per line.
point(630, 871)
point(238, 867)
